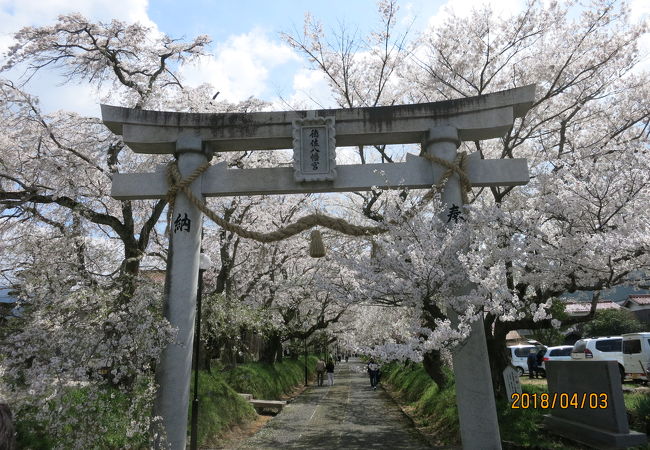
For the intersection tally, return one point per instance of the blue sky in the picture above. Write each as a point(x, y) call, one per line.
point(221, 19)
point(247, 58)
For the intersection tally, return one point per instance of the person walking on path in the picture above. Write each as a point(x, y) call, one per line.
point(373, 371)
point(348, 416)
point(320, 372)
point(540, 360)
point(330, 372)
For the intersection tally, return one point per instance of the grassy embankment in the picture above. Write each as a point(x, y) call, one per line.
point(220, 407)
point(435, 413)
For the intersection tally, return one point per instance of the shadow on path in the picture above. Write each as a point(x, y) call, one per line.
point(348, 415)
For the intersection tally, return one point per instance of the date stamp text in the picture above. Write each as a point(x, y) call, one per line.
point(562, 400)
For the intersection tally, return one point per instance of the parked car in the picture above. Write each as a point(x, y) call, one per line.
point(636, 355)
point(519, 355)
point(608, 348)
point(557, 353)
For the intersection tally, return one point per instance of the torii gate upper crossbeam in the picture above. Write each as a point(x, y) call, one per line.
point(476, 118)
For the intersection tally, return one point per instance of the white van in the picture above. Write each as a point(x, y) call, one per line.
point(557, 353)
point(636, 355)
point(608, 348)
point(519, 355)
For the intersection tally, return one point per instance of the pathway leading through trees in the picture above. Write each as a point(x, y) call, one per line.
point(348, 415)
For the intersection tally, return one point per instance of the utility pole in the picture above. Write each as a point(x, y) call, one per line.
point(204, 264)
point(305, 342)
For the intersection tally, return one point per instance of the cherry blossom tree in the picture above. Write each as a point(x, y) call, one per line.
point(76, 255)
point(287, 289)
point(72, 339)
point(54, 186)
point(89, 319)
point(580, 224)
point(67, 161)
point(58, 185)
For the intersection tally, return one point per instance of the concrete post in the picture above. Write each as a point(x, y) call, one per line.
point(174, 370)
point(479, 427)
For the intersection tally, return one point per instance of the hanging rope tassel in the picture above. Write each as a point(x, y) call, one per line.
point(316, 246)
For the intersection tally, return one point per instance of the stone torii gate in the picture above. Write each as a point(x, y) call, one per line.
point(193, 138)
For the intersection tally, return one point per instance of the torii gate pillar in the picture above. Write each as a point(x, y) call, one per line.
point(175, 368)
point(479, 426)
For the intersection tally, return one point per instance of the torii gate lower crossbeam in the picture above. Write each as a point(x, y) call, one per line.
point(439, 126)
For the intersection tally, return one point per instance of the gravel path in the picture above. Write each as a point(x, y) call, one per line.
point(348, 415)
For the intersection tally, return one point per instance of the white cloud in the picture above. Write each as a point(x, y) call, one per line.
point(16, 14)
point(407, 14)
point(310, 90)
point(640, 10)
point(241, 65)
point(80, 98)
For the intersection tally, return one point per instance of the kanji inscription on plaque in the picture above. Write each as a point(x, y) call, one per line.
point(314, 149)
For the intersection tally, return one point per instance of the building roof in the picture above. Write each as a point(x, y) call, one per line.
point(579, 308)
point(154, 275)
point(7, 296)
point(513, 336)
point(639, 299)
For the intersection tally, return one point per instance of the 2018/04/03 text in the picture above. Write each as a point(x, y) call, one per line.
point(562, 400)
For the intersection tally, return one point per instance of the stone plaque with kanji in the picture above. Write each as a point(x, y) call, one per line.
point(314, 149)
point(511, 379)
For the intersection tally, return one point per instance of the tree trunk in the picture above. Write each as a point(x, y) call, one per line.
point(128, 273)
point(213, 348)
point(207, 362)
point(204, 357)
point(270, 349)
point(432, 363)
point(7, 429)
point(278, 352)
point(499, 357)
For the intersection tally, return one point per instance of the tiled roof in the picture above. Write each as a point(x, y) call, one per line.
point(512, 335)
point(585, 307)
point(154, 275)
point(640, 299)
